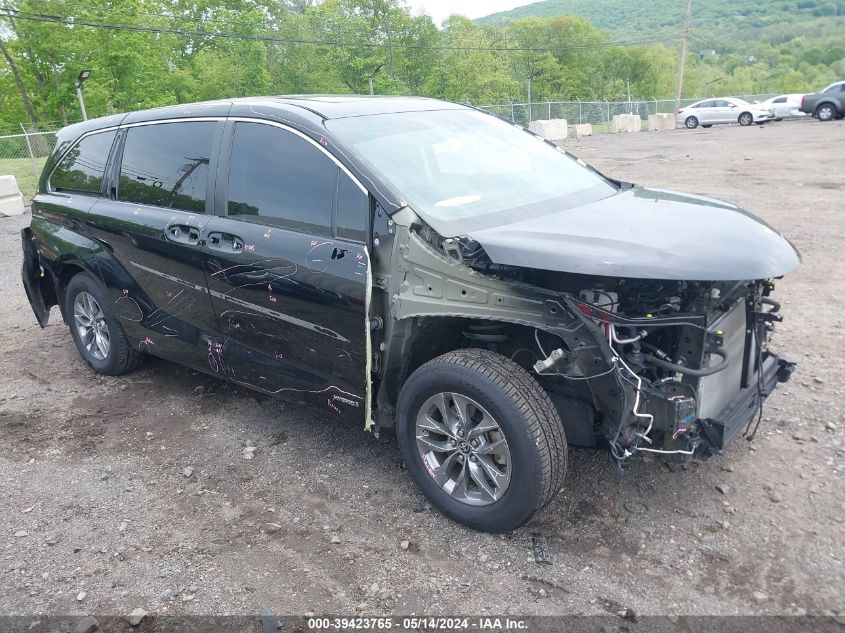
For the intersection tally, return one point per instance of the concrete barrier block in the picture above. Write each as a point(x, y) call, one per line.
point(553, 129)
point(624, 123)
point(579, 130)
point(661, 122)
point(11, 200)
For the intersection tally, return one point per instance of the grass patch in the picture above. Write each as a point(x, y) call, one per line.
point(22, 170)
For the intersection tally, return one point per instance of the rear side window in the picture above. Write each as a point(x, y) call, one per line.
point(166, 165)
point(780, 100)
point(82, 168)
point(278, 178)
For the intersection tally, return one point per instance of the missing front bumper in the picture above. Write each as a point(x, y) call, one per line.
point(717, 433)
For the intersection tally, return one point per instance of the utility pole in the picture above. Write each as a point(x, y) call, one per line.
point(83, 75)
point(683, 62)
point(370, 78)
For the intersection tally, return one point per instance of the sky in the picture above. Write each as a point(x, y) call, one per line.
point(439, 10)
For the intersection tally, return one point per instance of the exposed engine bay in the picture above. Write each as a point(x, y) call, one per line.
point(677, 368)
point(689, 349)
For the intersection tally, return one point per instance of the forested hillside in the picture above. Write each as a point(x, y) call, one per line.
point(146, 53)
point(799, 42)
point(625, 18)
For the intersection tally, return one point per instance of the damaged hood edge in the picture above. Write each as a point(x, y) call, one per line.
point(646, 234)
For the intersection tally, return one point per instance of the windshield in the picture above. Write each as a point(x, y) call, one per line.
point(463, 170)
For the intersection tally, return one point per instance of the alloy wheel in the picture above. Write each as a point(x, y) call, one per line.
point(463, 449)
point(91, 326)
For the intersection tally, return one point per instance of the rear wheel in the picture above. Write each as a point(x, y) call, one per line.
point(691, 122)
point(745, 119)
point(481, 439)
point(825, 112)
point(95, 330)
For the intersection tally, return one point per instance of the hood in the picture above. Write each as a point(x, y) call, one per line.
point(647, 234)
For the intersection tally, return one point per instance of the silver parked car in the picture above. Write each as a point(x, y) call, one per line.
point(725, 110)
point(785, 106)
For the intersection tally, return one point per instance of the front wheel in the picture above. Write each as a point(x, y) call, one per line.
point(481, 439)
point(825, 112)
point(745, 119)
point(691, 123)
point(95, 330)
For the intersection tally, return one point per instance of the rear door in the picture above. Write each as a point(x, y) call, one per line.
point(287, 269)
point(705, 112)
point(723, 112)
point(152, 222)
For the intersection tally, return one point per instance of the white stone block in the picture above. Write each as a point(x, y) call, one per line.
point(11, 200)
point(552, 129)
point(623, 123)
point(661, 122)
point(580, 130)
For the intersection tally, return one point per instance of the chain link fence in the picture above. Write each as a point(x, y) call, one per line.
point(23, 156)
point(598, 113)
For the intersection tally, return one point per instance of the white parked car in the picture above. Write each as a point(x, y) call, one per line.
point(710, 112)
point(785, 106)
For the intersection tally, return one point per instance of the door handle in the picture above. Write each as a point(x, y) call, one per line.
point(225, 242)
point(183, 234)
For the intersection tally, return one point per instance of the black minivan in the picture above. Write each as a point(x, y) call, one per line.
point(410, 263)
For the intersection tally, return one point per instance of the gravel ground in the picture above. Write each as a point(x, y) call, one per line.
point(119, 493)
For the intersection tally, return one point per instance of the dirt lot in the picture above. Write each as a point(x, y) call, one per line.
point(98, 513)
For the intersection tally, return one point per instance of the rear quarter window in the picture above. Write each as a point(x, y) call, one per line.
point(81, 170)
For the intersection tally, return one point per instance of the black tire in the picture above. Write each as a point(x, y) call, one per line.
point(825, 112)
point(121, 357)
point(707, 125)
point(526, 417)
point(745, 119)
point(691, 122)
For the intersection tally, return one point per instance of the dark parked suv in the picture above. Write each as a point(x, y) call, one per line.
point(419, 264)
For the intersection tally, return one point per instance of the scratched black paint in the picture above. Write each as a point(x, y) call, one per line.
point(277, 310)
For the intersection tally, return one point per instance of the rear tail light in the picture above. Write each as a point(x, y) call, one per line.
point(802, 100)
point(681, 111)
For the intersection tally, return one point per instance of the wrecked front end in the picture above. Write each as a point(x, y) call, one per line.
point(675, 367)
point(685, 366)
